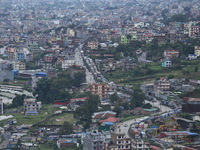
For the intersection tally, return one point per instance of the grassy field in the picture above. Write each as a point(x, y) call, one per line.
point(130, 117)
point(124, 78)
point(64, 117)
point(46, 111)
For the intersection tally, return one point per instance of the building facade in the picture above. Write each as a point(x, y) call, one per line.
point(162, 85)
point(120, 142)
point(171, 53)
point(94, 141)
point(67, 63)
point(19, 65)
point(197, 50)
point(99, 89)
point(30, 104)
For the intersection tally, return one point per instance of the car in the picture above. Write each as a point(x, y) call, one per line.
point(125, 125)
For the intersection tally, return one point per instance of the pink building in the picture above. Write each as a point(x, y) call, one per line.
point(171, 53)
point(49, 57)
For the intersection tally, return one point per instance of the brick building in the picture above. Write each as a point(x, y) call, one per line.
point(99, 89)
point(120, 142)
point(194, 31)
point(94, 141)
point(162, 85)
point(171, 53)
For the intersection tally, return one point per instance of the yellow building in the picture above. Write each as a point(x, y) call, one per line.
point(197, 50)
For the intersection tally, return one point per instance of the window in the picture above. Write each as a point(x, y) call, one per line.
point(119, 142)
point(28, 108)
point(126, 141)
point(122, 146)
point(118, 146)
point(119, 137)
point(140, 145)
point(94, 142)
point(126, 146)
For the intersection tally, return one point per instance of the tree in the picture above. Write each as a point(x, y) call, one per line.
point(129, 36)
point(171, 76)
point(194, 129)
point(78, 79)
point(147, 106)
point(185, 115)
point(114, 97)
point(118, 110)
point(18, 100)
point(137, 98)
point(6, 80)
point(196, 69)
point(66, 129)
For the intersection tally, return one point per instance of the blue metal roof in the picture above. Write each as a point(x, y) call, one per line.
point(31, 112)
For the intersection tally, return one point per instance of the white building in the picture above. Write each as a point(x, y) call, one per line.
point(18, 65)
point(67, 63)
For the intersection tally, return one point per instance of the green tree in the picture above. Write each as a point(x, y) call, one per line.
point(66, 129)
point(114, 97)
point(6, 80)
point(18, 100)
point(196, 69)
point(78, 79)
point(186, 115)
point(171, 76)
point(194, 129)
point(137, 99)
point(147, 106)
point(118, 110)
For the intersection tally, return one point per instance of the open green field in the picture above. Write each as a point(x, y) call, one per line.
point(62, 118)
point(46, 111)
point(147, 73)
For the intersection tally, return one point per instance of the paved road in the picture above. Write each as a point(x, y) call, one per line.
point(157, 104)
point(129, 122)
point(79, 61)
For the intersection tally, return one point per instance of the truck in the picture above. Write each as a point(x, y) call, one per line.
point(136, 133)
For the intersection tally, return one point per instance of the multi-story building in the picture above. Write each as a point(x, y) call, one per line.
point(49, 57)
point(20, 56)
point(30, 104)
point(194, 31)
point(94, 141)
point(162, 85)
point(120, 142)
point(11, 52)
point(99, 89)
point(34, 48)
point(93, 44)
point(19, 65)
point(167, 63)
point(171, 53)
point(1, 106)
point(67, 63)
point(139, 144)
point(197, 50)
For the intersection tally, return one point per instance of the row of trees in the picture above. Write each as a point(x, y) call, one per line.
point(137, 100)
point(85, 112)
point(48, 90)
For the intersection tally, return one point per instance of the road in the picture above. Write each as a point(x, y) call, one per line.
point(157, 104)
point(129, 122)
point(79, 61)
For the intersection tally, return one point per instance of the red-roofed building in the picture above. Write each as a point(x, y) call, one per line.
point(110, 119)
point(104, 114)
point(155, 147)
point(77, 102)
point(171, 53)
